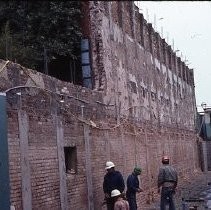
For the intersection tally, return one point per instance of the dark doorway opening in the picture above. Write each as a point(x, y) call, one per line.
point(66, 69)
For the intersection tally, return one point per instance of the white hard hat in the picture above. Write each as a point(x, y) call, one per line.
point(109, 165)
point(115, 193)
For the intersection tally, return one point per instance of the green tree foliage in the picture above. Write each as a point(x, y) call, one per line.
point(30, 27)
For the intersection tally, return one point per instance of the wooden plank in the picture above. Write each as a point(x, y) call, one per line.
point(25, 166)
point(87, 140)
point(61, 159)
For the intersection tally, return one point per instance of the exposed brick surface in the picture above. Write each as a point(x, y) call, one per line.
point(142, 107)
point(130, 143)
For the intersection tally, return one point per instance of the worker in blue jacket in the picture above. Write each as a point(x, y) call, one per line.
point(133, 188)
point(112, 180)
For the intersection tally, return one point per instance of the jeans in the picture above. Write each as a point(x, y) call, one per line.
point(167, 197)
point(132, 202)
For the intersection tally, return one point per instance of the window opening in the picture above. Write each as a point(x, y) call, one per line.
point(66, 69)
point(70, 159)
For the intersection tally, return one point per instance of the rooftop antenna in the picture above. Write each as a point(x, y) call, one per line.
point(173, 44)
point(159, 19)
point(139, 6)
point(155, 22)
point(162, 32)
point(167, 37)
point(181, 55)
point(176, 51)
point(147, 15)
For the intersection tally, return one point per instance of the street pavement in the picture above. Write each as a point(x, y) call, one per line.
point(193, 192)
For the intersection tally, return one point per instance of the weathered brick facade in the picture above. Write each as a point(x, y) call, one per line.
point(143, 106)
point(137, 68)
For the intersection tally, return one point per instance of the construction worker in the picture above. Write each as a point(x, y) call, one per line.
point(112, 180)
point(119, 202)
point(167, 180)
point(133, 188)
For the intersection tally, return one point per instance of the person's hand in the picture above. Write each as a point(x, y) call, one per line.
point(139, 190)
point(159, 190)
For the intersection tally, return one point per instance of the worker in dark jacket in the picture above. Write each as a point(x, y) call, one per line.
point(112, 180)
point(167, 180)
point(133, 188)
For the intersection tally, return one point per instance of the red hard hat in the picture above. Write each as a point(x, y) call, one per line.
point(165, 157)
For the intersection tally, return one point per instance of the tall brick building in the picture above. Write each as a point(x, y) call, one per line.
point(141, 105)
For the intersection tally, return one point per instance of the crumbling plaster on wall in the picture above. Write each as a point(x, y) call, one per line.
point(98, 71)
point(121, 60)
point(35, 79)
point(122, 54)
point(135, 63)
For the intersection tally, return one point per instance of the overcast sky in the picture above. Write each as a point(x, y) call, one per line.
point(187, 24)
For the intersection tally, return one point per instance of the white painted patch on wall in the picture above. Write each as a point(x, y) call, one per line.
point(170, 76)
point(129, 38)
point(179, 81)
point(140, 46)
point(151, 58)
point(163, 68)
point(132, 78)
point(175, 77)
point(157, 63)
point(118, 35)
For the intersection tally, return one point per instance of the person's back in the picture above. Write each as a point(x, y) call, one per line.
point(112, 180)
point(167, 181)
point(121, 204)
point(167, 174)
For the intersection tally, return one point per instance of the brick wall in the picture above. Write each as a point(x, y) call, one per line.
point(142, 107)
point(39, 126)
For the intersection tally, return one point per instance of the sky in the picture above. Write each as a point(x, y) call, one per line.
point(186, 26)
